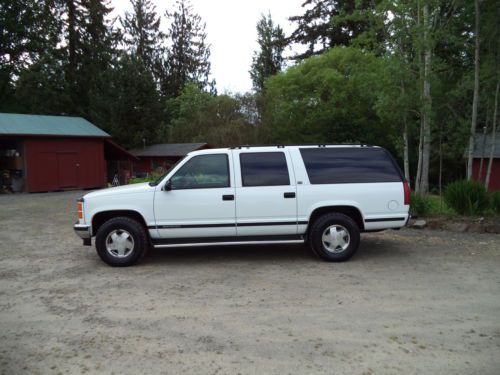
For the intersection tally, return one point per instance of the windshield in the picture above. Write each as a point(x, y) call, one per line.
point(159, 179)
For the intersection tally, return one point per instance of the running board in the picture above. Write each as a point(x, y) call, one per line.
point(218, 241)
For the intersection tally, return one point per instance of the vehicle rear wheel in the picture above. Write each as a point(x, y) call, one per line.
point(121, 242)
point(334, 237)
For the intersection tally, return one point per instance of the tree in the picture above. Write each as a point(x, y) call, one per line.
point(329, 23)
point(189, 53)
point(328, 99)
point(475, 102)
point(125, 102)
point(142, 33)
point(268, 60)
point(198, 116)
point(28, 30)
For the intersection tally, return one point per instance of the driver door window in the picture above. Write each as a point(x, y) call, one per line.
point(203, 172)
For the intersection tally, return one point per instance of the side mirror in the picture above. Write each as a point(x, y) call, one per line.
point(167, 186)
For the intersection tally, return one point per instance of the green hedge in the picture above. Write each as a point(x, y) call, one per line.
point(467, 197)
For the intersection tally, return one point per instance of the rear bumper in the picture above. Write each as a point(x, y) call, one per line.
point(84, 232)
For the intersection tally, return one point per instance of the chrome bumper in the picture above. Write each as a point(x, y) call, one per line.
point(83, 231)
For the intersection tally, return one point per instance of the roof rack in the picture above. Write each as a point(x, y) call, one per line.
point(239, 147)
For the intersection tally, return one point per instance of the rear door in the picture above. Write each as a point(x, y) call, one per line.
point(266, 196)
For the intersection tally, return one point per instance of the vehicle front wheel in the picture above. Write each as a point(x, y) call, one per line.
point(121, 242)
point(334, 237)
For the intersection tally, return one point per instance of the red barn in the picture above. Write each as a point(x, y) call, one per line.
point(482, 150)
point(50, 153)
point(163, 155)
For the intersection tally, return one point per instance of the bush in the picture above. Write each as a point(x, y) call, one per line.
point(419, 205)
point(467, 197)
point(495, 202)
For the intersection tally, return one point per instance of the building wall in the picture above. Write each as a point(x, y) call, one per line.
point(63, 163)
point(495, 172)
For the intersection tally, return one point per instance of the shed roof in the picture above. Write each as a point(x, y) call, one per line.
point(19, 124)
point(168, 149)
point(482, 146)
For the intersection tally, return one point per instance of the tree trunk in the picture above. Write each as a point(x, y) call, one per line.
point(493, 136)
point(483, 148)
point(421, 78)
point(406, 162)
point(427, 106)
point(475, 100)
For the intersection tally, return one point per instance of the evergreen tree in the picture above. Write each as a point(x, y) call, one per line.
point(188, 56)
point(29, 29)
point(269, 59)
point(142, 33)
point(126, 102)
point(328, 23)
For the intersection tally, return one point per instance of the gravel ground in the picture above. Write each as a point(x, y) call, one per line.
point(409, 302)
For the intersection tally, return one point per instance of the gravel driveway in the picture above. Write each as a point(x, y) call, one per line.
point(409, 302)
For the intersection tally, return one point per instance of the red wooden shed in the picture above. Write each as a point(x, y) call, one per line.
point(483, 147)
point(50, 153)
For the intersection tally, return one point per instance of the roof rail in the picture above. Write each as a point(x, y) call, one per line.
point(239, 147)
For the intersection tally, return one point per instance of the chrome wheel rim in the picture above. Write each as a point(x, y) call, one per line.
point(119, 243)
point(336, 239)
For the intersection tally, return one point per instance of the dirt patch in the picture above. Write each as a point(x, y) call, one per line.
point(459, 224)
point(409, 302)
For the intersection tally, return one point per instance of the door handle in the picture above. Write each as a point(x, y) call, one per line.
point(289, 195)
point(228, 197)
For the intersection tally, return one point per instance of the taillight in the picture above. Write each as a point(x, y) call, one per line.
point(406, 188)
point(79, 207)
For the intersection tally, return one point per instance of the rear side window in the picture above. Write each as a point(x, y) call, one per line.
point(349, 165)
point(264, 169)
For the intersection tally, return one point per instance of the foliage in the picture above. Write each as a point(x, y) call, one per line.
point(189, 55)
point(127, 104)
point(268, 60)
point(495, 202)
point(142, 33)
point(329, 23)
point(198, 116)
point(420, 204)
point(307, 103)
point(467, 197)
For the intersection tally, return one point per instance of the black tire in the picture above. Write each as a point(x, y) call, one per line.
point(325, 221)
point(127, 227)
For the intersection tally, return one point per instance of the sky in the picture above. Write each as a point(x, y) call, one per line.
point(231, 32)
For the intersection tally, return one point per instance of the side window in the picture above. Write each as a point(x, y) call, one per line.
point(340, 165)
point(264, 169)
point(202, 172)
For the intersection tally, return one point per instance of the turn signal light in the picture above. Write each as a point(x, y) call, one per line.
point(79, 207)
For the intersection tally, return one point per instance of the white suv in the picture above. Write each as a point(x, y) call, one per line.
point(323, 194)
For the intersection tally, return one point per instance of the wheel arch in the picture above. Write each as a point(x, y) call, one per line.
point(349, 210)
point(101, 217)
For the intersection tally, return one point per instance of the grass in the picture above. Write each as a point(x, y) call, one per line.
point(139, 180)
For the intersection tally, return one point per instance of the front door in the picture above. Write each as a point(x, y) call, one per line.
point(67, 164)
point(199, 202)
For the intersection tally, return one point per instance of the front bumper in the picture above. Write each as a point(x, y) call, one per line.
point(84, 232)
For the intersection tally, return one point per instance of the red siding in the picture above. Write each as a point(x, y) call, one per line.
point(495, 173)
point(55, 164)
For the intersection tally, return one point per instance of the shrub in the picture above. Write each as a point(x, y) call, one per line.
point(467, 197)
point(495, 202)
point(420, 204)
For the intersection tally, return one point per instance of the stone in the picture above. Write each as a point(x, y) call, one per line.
point(419, 224)
point(492, 228)
point(456, 227)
